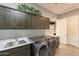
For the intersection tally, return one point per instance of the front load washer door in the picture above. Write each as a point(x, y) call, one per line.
point(43, 51)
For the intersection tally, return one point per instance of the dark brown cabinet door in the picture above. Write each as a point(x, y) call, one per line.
point(7, 18)
point(34, 22)
point(28, 21)
point(42, 23)
point(47, 26)
point(39, 22)
point(1, 19)
point(26, 52)
point(19, 20)
point(45, 23)
point(12, 19)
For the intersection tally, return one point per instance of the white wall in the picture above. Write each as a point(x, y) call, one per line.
point(11, 33)
point(61, 30)
point(72, 32)
point(78, 31)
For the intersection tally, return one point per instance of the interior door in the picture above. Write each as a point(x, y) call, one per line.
point(72, 30)
point(61, 30)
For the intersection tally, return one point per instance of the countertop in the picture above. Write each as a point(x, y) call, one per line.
point(29, 40)
point(4, 42)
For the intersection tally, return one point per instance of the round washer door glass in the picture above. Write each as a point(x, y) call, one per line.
point(43, 51)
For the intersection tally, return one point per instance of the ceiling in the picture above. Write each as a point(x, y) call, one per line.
point(58, 8)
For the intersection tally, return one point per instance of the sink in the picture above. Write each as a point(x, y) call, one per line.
point(7, 43)
point(10, 44)
point(21, 42)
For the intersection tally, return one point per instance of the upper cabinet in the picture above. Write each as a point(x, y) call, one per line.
point(13, 19)
point(28, 21)
point(39, 22)
point(19, 18)
point(34, 22)
point(1, 19)
point(7, 18)
point(46, 22)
